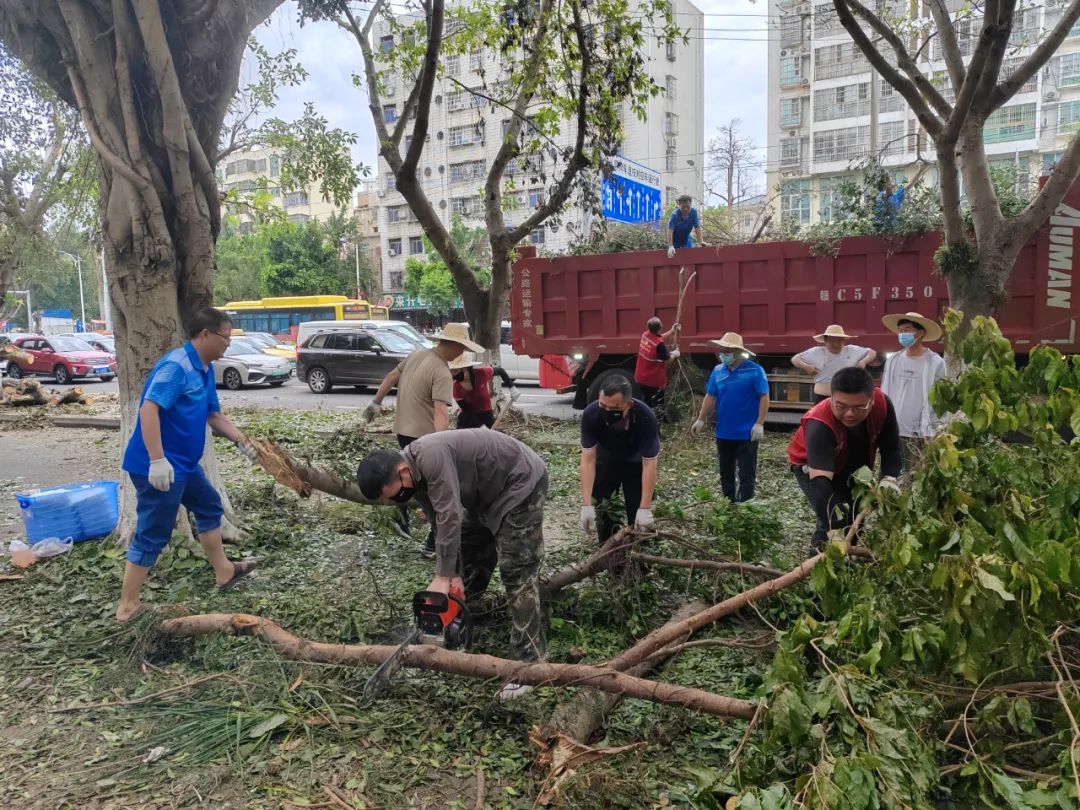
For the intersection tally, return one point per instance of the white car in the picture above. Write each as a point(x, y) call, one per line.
point(519, 366)
point(244, 364)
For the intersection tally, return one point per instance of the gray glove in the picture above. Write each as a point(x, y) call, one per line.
point(671, 252)
point(371, 411)
point(588, 520)
point(697, 427)
point(248, 449)
point(643, 521)
point(757, 433)
point(514, 393)
point(161, 475)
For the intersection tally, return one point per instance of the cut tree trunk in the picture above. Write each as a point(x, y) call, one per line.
point(459, 663)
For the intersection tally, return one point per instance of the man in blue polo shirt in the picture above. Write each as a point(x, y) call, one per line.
point(162, 458)
point(739, 391)
point(684, 219)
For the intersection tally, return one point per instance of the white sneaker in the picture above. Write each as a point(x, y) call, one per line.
point(512, 691)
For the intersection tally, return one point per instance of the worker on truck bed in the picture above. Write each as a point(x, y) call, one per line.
point(425, 393)
point(739, 391)
point(472, 390)
point(162, 457)
point(909, 376)
point(684, 219)
point(620, 447)
point(834, 354)
point(890, 199)
point(487, 491)
point(837, 437)
point(653, 360)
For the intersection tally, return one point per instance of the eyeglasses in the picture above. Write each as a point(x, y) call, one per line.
point(226, 338)
point(842, 409)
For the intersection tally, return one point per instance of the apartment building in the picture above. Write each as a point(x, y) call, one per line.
point(465, 133)
point(828, 109)
point(260, 168)
point(367, 224)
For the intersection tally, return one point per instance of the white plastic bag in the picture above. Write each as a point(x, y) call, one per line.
point(51, 547)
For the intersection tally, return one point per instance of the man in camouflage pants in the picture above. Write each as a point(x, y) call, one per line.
point(486, 491)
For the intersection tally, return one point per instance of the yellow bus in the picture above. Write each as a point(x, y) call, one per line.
point(281, 316)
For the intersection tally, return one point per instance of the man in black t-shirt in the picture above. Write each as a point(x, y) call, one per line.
point(837, 437)
point(620, 447)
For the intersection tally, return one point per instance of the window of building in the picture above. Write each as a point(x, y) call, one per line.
point(294, 198)
point(841, 144)
point(672, 158)
point(1010, 66)
point(391, 182)
point(790, 112)
point(670, 87)
point(893, 138)
point(1075, 30)
point(1069, 116)
point(791, 29)
point(393, 247)
point(386, 43)
point(790, 153)
point(671, 123)
point(846, 101)
point(671, 51)
point(843, 59)
point(1050, 160)
point(1014, 123)
point(453, 65)
point(395, 213)
point(1069, 69)
point(1025, 27)
point(790, 71)
point(389, 113)
point(275, 166)
point(829, 197)
point(298, 219)
point(476, 60)
point(795, 202)
point(467, 172)
point(464, 135)
point(888, 99)
point(397, 278)
point(465, 206)
point(537, 236)
point(536, 198)
point(463, 99)
point(826, 20)
point(416, 244)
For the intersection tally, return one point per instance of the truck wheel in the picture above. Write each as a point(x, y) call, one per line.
point(605, 376)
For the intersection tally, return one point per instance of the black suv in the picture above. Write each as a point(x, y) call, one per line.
point(358, 357)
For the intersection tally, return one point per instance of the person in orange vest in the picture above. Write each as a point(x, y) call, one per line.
point(838, 436)
point(653, 360)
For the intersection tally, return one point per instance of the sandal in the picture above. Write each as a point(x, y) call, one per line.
point(242, 569)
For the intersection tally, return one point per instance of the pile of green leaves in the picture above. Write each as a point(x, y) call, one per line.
point(942, 674)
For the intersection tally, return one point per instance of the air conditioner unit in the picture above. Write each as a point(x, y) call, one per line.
point(380, 193)
point(793, 132)
point(805, 49)
point(1050, 95)
point(805, 82)
point(789, 173)
point(804, 8)
point(783, 52)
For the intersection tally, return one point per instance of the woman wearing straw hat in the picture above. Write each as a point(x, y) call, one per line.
point(472, 390)
point(833, 354)
point(739, 391)
point(908, 377)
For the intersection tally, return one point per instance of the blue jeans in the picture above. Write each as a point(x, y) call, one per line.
point(740, 455)
point(156, 513)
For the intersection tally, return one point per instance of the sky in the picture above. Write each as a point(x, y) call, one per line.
point(736, 51)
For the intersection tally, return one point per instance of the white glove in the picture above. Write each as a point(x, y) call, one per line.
point(248, 449)
point(757, 433)
point(889, 483)
point(671, 252)
point(161, 474)
point(643, 520)
point(371, 411)
point(514, 393)
point(698, 426)
point(674, 354)
point(588, 519)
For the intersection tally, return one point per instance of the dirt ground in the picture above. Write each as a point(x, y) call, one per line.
point(31, 459)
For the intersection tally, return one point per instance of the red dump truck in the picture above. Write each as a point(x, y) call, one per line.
point(592, 309)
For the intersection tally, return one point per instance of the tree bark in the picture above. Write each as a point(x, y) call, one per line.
point(459, 663)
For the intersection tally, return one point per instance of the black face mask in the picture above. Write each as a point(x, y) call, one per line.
point(403, 495)
point(611, 418)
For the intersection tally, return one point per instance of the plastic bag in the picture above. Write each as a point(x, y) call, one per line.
point(21, 555)
point(51, 547)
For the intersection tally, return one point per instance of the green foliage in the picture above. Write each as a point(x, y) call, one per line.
point(241, 259)
point(302, 261)
point(612, 237)
point(953, 260)
point(974, 584)
point(1010, 197)
point(432, 280)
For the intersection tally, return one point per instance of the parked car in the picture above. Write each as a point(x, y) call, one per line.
point(244, 364)
point(62, 358)
point(519, 366)
point(269, 344)
point(309, 328)
point(103, 343)
point(360, 358)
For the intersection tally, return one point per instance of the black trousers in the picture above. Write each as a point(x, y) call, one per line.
point(839, 513)
point(737, 456)
point(611, 476)
point(475, 419)
point(654, 398)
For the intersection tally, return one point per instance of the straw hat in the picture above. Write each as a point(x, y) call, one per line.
point(933, 331)
point(833, 330)
point(730, 340)
point(459, 333)
point(466, 360)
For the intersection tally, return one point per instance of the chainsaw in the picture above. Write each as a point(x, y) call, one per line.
point(441, 619)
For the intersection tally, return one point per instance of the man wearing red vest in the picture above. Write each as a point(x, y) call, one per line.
point(652, 362)
point(837, 437)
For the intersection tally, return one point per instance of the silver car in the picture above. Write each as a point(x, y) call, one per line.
point(245, 364)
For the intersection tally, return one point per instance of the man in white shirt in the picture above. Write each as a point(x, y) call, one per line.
point(834, 354)
point(909, 375)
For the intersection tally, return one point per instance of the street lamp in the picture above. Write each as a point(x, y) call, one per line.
point(78, 270)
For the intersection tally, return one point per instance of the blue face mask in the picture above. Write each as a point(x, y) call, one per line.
point(727, 358)
point(907, 339)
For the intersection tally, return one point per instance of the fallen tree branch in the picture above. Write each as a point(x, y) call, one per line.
point(609, 554)
point(712, 565)
point(459, 663)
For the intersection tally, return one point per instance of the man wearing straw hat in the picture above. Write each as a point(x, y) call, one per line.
point(739, 391)
point(909, 376)
point(425, 393)
point(833, 354)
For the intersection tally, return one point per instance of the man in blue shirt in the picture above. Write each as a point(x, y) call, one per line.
point(684, 219)
point(739, 391)
point(889, 199)
point(162, 457)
